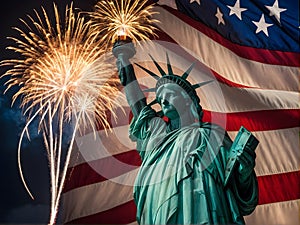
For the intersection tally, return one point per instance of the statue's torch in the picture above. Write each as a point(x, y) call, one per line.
point(123, 50)
point(123, 46)
point(123, 21)
point(122, 25)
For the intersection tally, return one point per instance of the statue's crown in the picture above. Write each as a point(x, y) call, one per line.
point(170, 77)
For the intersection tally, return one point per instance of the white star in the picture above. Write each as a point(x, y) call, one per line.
point(198, 1)
point(219, 15)
point(275, 10)
point(236, 9)
point(262, 25)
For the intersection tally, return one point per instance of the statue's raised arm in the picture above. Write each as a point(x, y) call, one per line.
point(123, 51)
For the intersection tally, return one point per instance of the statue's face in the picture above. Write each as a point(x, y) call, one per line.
point(172, 102)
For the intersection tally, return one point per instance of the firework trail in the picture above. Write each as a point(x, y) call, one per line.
point(63, 77)
point(116, 19)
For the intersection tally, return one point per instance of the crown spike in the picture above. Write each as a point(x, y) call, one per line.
point(170, 71)
point(186, 73)
point(148, 71)
point(162, 72)
point(201, 84)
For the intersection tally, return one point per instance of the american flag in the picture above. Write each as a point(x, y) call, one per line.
point(251, 49)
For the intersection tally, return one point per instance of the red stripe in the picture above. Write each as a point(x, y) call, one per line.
point(223, 80)
point(122, 214)
point(255, 120)
point(262, 120)
point(279, 187)
point(101, 169)
point(255, 54)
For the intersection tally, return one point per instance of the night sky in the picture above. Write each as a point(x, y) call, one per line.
point(16, 206)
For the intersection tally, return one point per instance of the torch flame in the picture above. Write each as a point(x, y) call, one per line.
point(123, 19)
point(122, 33)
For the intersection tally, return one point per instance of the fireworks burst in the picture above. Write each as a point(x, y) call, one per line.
point(64, 77)
point(120, 18)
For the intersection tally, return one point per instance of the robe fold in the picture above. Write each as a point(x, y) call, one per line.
point(181, 179)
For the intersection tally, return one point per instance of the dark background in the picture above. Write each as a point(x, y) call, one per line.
point(16, 206)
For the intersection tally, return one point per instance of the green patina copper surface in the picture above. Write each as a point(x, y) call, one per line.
point(177, 185)
point(191, 171)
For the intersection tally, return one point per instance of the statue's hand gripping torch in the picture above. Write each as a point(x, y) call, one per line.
point(123, 50)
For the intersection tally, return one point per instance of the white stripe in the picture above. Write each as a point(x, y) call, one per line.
point(223, 98)
point(279, 213)
point(224, 61)
point(98, 197)
point(277, 152)
point(91, 148)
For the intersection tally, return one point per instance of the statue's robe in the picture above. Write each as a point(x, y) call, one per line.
point(181, 179)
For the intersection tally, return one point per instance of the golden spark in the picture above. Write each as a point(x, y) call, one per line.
point(64, 76)
point(118, 19)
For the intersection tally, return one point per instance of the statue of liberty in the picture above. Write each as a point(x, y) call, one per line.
point(191, 172)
